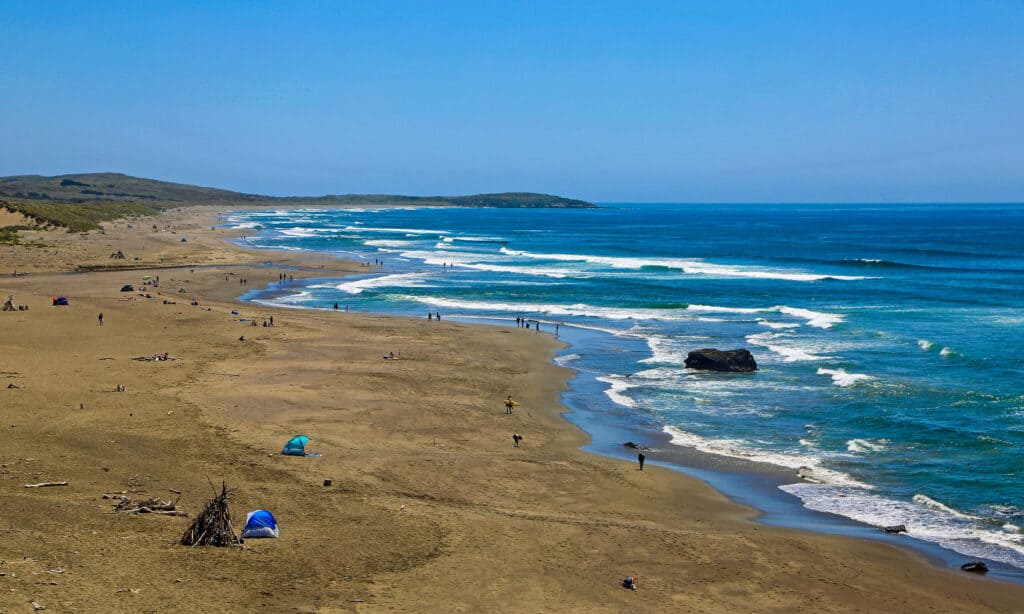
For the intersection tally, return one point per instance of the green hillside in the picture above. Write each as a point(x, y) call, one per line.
point(81, 201)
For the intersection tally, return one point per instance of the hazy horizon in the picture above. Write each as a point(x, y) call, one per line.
point(736, 102)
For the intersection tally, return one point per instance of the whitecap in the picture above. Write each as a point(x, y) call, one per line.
point(616, 392)
point(401, 280)
point(860, 446)
point(946, 352)
point(841, 378)
point(930, 503)
point(814, 318)
point(777, 325)
point(924, 344)
point(809, 467)
point(789, 352)
point(689, 266)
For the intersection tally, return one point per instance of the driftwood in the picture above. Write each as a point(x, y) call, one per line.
point(127, 505)
point(212, 527)
point(45, 484)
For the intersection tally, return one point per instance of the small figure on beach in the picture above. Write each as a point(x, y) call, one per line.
point(437, 316)
point(509, 404)
point(516, 438)
point(430, 316)
point(335, 306)
point(271, 320)
point(641, 458)
point(101, 319)
point(629, 582)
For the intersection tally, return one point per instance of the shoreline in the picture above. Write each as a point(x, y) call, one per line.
point(744, 481)
point(431, 509)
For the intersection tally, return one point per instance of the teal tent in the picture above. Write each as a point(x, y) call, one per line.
point(297, 446)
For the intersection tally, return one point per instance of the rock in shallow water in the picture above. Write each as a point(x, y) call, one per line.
point(709, 359)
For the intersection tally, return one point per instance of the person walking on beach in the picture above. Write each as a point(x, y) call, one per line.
point(509, 404)
point(641, 458)
point(430, 316)
point(101, 319)
point(516, 438)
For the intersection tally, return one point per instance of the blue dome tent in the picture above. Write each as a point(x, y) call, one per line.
point(260, 523)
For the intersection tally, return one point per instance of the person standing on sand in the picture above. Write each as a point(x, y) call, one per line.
point(641, 458)
point(509, 404)
point(101, 319)
point(430, 316)
point(516, 438)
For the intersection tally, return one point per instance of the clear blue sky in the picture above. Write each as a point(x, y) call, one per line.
point(658, 101)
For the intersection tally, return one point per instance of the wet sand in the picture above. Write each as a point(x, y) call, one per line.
point(431, 507)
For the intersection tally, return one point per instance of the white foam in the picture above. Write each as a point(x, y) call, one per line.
point(388, 243)
point(808, 466)
point(788, 352)
point(564, 360)
point(579, 309)
point(928, 502)
point(689, 266)
point(841, 378)
point(401, 280)
point(777, 325)
point(618, 386)
point(718, 309)
point(923, 517)
point(814, 318)
point(946, 352)
point(407, 231)
point(476, 261)
point(473, 239)
point(924, 344)
point(860, 446)
point(298, 232)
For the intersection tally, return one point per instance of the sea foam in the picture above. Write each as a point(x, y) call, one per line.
point(841, 378)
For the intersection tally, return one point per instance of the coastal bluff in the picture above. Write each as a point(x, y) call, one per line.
point(729, 361)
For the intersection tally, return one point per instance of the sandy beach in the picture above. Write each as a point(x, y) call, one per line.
point(431, 508)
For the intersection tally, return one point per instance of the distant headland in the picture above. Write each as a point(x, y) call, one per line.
point(79, 201)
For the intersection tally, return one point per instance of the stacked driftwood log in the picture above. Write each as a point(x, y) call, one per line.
point(212, 527)
point(152, 505)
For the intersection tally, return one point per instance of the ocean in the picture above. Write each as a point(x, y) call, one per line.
point(888, 337)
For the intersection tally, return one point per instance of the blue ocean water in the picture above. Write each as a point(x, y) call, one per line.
point(888, 337)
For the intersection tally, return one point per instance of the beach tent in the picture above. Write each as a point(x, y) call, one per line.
point(260, 523)
point(296, 446)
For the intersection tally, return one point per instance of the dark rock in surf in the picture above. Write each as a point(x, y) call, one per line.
point(630, 444)
point(730, 361)
point(896, 528)
point(975, 566)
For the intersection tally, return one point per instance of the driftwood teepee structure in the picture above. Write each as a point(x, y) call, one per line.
point(212, 527)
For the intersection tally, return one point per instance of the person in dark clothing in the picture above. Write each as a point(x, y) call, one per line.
point(101, 319)
point(641, 458)
point(516, 438)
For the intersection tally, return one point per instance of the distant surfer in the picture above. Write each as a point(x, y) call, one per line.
point(509, 404)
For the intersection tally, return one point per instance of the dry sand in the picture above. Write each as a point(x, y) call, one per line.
point(431, 508)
